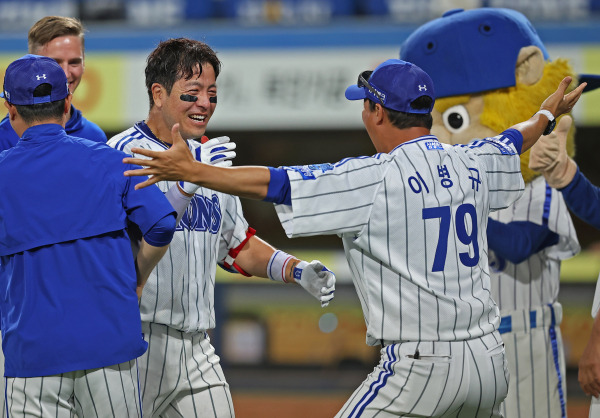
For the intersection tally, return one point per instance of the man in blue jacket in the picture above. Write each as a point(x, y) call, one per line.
point(70, 283)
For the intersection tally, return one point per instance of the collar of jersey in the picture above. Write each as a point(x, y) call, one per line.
point(44, 131)
point(414, 141)
point(145, 129)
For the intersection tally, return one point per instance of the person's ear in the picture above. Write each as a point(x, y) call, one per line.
point(379, 114)
point(530, 65)
point(68, 100)
point(159, 94)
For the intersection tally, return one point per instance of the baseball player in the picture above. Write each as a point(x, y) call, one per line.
point(69, 305)
point(180, 374)
point(549, 156)
point(412, 220)
point(528, 240)
point(62, 39)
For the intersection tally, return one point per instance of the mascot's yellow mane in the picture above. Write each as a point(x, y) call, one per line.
point(509, 106)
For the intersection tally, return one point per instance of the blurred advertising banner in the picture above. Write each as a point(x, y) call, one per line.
point(271, 88)
point(151, 13)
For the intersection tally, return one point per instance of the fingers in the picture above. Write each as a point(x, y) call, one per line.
point(142, 151)
point(317, 266)
point(138, 172)
point(149, 182)
point(176, 137)
point(564, 84)
point(325, 299)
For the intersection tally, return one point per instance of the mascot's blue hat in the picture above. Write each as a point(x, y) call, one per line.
point(471, 51)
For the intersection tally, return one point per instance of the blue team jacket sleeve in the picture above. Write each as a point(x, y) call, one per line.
point(517, 241)
point(147, 206)
point(162, 232)
point(583, 198)
point(279, 187)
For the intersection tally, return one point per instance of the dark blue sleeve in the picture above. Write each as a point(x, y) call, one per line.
point(162, 232)
point(517, 241)
point(279, 187)
point(583, 198)
point(516, 137)
point(145, 207)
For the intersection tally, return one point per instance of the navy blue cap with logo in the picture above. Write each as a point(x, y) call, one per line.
point(395, 84)
point(25, 74)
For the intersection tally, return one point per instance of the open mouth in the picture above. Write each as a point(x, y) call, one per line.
point(197, 118)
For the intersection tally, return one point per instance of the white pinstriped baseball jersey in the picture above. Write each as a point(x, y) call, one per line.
point(535, 281)
point(180, 290)
point(529, 291)
point(413, 224)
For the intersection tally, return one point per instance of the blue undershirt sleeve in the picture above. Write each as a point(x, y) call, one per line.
point(517, 241)
point(583, 198)
point(162, 231)
point(279, 187)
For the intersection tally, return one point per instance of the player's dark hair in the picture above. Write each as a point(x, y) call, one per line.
point(42, 111)
point(178, 58)
point(402, 120)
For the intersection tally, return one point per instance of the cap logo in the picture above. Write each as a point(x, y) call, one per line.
point(39, 77)
point(423, 87)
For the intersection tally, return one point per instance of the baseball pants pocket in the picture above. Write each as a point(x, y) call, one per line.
point(488, 378)
point(402, 385)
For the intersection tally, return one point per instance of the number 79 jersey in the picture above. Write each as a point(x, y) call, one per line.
point(413, 224)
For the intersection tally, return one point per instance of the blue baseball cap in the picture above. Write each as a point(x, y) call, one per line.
point(471, 51)
point(395, 84)
point(25, 74)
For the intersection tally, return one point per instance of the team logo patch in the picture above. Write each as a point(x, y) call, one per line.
point(433, 145)
point(202, 214)
point(307, 171)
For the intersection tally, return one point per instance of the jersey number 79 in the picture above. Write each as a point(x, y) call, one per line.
point(460, 219)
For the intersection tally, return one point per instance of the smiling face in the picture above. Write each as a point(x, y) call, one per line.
point(67, 51)
point(192, 117)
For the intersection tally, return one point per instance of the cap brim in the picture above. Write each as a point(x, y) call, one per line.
point(355, 93)
point(592, 80)
point(2, 94)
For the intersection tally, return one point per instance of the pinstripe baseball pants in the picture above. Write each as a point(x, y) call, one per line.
point(105, 392)
point(180, 375)
point(536, 359)
point(444, 379)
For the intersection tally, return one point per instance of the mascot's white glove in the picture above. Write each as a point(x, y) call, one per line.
point(316, 279)
point(549, 156)
point(217, 151)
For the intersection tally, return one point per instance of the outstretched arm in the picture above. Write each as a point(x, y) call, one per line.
point(259, 258)
point(558, 103)
point(178, 163)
